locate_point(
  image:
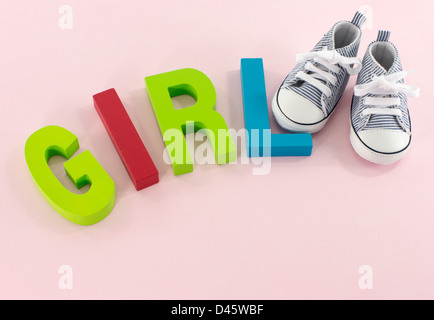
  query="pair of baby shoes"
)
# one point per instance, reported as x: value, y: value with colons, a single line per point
x: 380, y: 129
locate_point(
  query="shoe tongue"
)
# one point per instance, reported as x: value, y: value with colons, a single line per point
x: 383, y: 56
x: 351, y: 49
x: 348, y: 51
x: 310, y: 92
x: 328, y: 41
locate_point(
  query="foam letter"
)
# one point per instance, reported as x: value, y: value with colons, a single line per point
x: 83, y: 209
x: 256, y: 117
x: 126, y: 140
x: 162, y: 87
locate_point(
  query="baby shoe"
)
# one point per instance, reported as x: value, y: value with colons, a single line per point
x: 380, y: 121
x: 310, y: 92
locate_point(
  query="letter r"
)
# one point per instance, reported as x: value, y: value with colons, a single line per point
x: 162, y: 87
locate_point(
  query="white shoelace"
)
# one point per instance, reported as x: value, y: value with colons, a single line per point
x: 325, y: 70
x: 382, y: 87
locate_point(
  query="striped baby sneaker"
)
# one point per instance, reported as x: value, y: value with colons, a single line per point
x: 310, y: 92
x: 380, y: 128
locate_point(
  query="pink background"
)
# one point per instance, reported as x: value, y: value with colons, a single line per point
x: 302, y: 231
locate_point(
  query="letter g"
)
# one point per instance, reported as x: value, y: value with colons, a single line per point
x: 84, y: 209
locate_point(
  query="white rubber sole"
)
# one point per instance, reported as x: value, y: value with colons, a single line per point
x: 371, y: 155
x: 289, y: 125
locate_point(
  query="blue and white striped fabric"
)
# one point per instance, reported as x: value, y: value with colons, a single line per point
x: 312, y: 93
x: 379, y: 121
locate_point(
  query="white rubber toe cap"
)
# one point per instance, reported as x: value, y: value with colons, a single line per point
x: 297, y: 108
x: 385, y: 141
